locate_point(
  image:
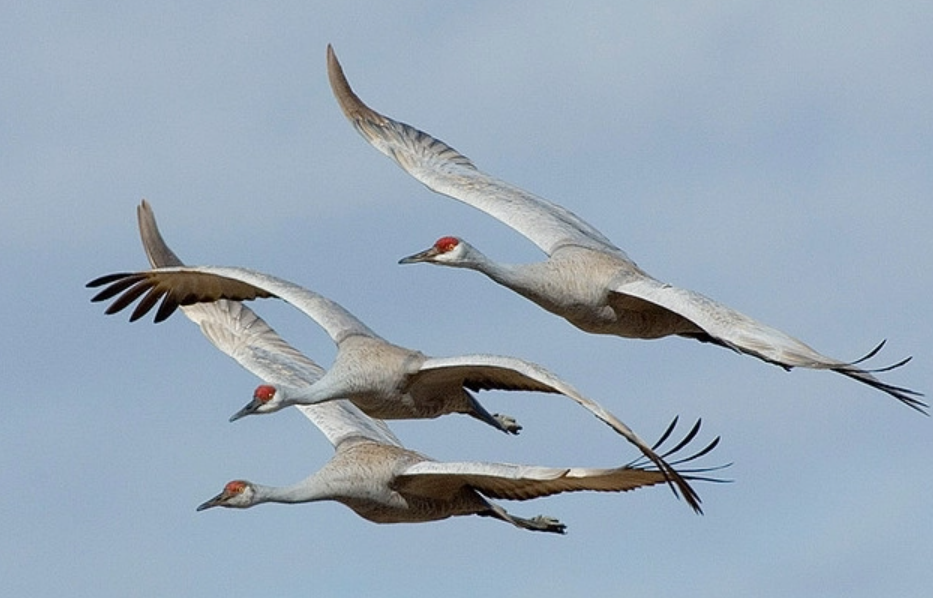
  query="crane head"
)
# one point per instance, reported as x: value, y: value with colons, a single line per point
x: 238, y: 494
x: 266, y: 399
x: 448, y: 250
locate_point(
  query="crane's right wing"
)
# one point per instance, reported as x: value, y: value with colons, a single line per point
x: 444, y: 170
x: 240, y: 333
x: 519, y: 482
x: 733, y: 329
x: 524, y: 482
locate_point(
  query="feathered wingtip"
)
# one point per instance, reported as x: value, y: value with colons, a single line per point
x: 134, y: 285
x: 174, y: 287
x: 352, y: 106
x: 403, y: 143
x: 679, y: 486
x: 866, y: 376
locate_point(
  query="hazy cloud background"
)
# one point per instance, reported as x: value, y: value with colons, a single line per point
x: 776, y: 157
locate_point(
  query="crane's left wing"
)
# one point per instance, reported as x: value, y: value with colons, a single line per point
x: 444, y: 170
x: 179, y: 286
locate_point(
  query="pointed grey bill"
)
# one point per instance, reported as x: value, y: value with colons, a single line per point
x: 421, y: 256
x: 249, y: 409
x: 214, y: 502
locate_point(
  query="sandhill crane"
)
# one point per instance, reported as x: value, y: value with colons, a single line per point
x: 384, y: 380
x: 385, y: 483
x: 586, y: 279
x: 371, y: 472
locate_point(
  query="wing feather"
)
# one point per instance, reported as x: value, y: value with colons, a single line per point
x: 479, y: 372
x: 180, y: 286
x: 445, y: 170
x: 520, y: 482
x: 744, y: 334
x: 241, y: 334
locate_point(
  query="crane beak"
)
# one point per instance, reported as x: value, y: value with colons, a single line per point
x: 250, y: 408
x: 214, y: 502
x: 427, y: 255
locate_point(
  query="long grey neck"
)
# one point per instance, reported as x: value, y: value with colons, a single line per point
x: 532, y: 281
x: 308, y: 490
x: 521, y: 278
x: 505, y: 274
x: 326, y: 388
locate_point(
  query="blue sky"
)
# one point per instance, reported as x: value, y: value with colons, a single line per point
x: 776, y: 158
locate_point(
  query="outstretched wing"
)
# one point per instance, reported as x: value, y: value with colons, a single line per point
x: 444, y: 170
x: 524, y: 482
x: 519, y: 482
x: 231, y: 326
x: 733, y: 329
x: 237, y: 331
x: 180, y: 286
x: 485, y: 372
x: 498, y: 480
